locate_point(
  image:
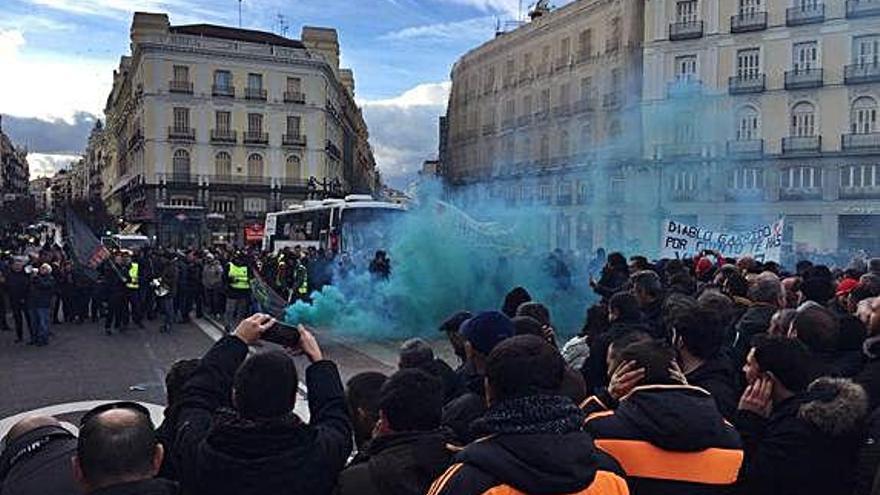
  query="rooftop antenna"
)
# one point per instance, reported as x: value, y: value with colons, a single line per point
x: 282, y: 25
x: 239, y: 14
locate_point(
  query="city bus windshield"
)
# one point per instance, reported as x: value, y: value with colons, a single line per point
x: 368, y: 228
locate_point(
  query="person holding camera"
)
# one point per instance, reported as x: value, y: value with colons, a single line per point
x: 236, y: 430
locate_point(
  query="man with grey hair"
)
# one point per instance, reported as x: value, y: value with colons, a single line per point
x: 648, y: 291
x: 767, y: 296
x: 414, y: 353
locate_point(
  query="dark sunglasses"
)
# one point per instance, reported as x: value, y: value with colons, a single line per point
x: 110, y: 406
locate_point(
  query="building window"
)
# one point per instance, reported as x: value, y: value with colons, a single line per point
x: 490, y: 80
x: 255, y: 81
x: 747, y: 178
x: 222, y: 79
x: 181, y: 74
x: 803, y: 120
x: 510, y: 110
x: 585, y: 44
x: 686, y: 68
x: 805, y: 56
x: 586, y: 136
x: 685, y: 132
x: 254, y: 205
x: 684, y: 181
x: 866, y: 50
x: 180, y: 163
x: 181, y: 119
x: 686, y: 12
x: 586, y: 88
x: 860, y: 176
x: 863, y: 117
x: 509, y: 150
x: 294, y: 85
x: 526, y: 150
x: 545, y: 100
x: 748, y: 63
x: 544, y: 151
x: 223, y: 121
x: 801, y: 178
x: 223, y: 205
x: 545, y: 192
x: 293, y: 169
x: 564, y: 51
x: 223, y: 164
x: 748, y: 124
x: 614, y: 128
x: 527, y: 105
x: 612, y: 44
x: 255, y: 123
x: 294, y: 123
x: 564, y: 91
x: 750, y: 7
x: 564, y: 144
x: 181, y: 201
x: 255, y: 165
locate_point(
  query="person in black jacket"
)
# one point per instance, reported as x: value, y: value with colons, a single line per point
x: 175, y: 379
x: 767, y: 296
x: 697, y: 336
x: 18, y: 284
x: 869, y: 377
x: 625, y: 317
x: 259, y: 446
x: 42, y: 290
x: 819, y: 330
x: 800, y: 436
x: 36, y: 459
x: 648, y: 290
x: 362, y: 398
x: 532, y: 441
x: 408, y: 451
x: 615, y: 275
x: 663, y: 429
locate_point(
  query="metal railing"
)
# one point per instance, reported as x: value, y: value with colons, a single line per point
x: 804, y: 78
x: 805, y: 14
x: 862, y: 73
x: 747, y: 83
x: 746, y: 22
x: 256, y: 137
x: 612, y: 100
x: 745, y: 147
x: 685, y: 30
x: 224, y: 136
x: 801, y: 144
x: 224, y: 91
x: 862, y: 8
x: 180, y: 86
x: 585, y: 105
x: 869, y: 141
x: 524, y: 120
x: 294, y: 97
x: 182, y: 133
x: 296, y: 139
x: 255, y: 94
x: 562, y: 110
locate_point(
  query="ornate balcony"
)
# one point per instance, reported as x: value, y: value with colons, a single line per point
x: 296, y: 140
x: 489, y: 129
x: 181, y: 133
x: 563, y: 110
x: 611, y: 100
x: 744, y: 23
x: 861, y: 73
x: 256, y: 137
x: 862, y: 8
x: 224, y: 136
x: 745, y: 84
x: 798, y: 16
x: 740, y: 147
x: 297, y: 97
x: 801, y: 144
x: 223, y: 91
x: 861, y: 142
x: 255, y: 94
x: 685, y: 30
x: 683, y: 87
x: 804, y: 78
x: 679, y: 150
x: 524, y: 120
x: 180, y: 86
x: 585, y: 105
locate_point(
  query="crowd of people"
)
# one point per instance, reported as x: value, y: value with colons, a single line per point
x: 708, y: 375
x: 43, y: 286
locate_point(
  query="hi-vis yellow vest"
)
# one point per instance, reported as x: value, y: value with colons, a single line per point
x: 238, y: 277
x: 133, y: 276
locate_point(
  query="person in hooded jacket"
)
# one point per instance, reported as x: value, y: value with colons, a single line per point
x: 260, y: 446
x: 532, y: 441
x: 409, y: 450
x: 669, y: 437
x: 767, y: 297
x: 800, y: 436
x: 615, y: 275
x: 625, y: 317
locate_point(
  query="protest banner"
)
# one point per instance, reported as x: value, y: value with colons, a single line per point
x: 681, y: 240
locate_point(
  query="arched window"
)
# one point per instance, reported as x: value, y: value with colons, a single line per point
x: 255, y: 165
x: 748, y: 124
x: 564, y: 144
x: 180, y: 163
x: 294, y: 167
x: 863, y: 117
x: 223, y: 164
x: 803, y: 120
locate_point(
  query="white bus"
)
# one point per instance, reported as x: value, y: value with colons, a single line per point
x: 355, y: 223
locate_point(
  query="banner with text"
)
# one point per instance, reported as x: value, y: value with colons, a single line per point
x: 681, y: 240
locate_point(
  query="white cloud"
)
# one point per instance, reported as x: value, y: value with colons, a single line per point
x: 509, y: 7
x: 107, y: 7
x: 50, y: 86
x: 45, y: 165
x: 480, y: 28
x: 423, y: 95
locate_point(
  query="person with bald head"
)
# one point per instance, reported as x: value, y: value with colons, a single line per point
x: 118, y: 453
x: 35, y: 459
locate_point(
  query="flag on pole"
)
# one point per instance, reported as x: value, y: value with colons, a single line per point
x: 270, y: 302
x: 87, y: 250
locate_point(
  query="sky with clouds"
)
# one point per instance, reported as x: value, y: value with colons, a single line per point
x: 62, y: 54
